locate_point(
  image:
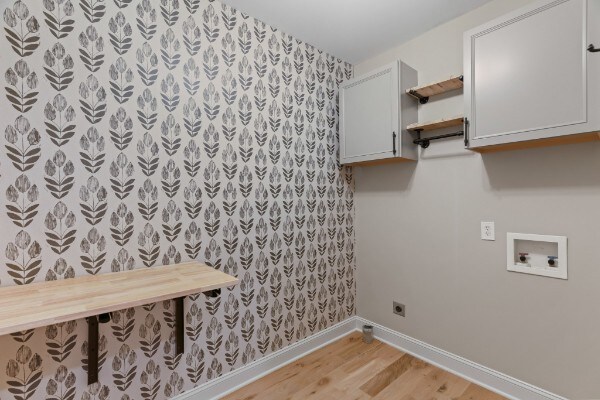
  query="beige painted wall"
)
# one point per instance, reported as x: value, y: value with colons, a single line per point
x: 418, y: 240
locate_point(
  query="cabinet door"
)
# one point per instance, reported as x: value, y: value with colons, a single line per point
x: 369, y: 116
x: 526, y: 74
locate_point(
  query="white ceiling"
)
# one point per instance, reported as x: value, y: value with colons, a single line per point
x: 355, y: 30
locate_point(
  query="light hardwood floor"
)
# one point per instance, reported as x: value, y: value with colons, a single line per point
x: 350, y: 369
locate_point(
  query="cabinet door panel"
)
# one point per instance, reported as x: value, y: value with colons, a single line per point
x: 528, y: 73
x: 370, y: 114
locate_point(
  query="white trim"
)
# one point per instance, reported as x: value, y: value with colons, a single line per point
x: 493, y: 380
x: 232, y: 381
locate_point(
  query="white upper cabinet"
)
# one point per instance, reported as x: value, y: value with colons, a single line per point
x: 529, y: 75
x: 374, y: 111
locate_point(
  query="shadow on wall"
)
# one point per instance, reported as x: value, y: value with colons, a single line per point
x: 575, y: 165
x: 390, y: 177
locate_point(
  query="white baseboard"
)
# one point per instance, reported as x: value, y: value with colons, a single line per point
x: 493, y: 380
x: 232, y: 381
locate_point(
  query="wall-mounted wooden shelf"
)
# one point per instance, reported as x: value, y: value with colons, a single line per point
x: 424, y: 92
x: 438, y: 124
x: 46, y: 303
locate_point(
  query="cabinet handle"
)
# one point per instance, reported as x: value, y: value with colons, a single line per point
x: 592, y: 49
x: 394, y: 142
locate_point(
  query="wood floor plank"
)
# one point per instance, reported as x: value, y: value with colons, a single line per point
x: 349, y: 369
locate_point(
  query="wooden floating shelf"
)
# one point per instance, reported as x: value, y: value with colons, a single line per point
x: 94, y: 297
x: 423, y: 93
x: 438, y: 124
x: 40, y: 304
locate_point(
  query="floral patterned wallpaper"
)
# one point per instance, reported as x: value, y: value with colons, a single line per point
x: 139, y: 133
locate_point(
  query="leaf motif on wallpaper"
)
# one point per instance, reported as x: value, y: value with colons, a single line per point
x: 171, y: 256
x: 23, y: 196
x: 60, y: 270
x: 191, y: 36
x: 22, y: 83
x: 123, y: 323
x: 90, y: 50
x: 230, y: 166
x: 170, y: 93
x: 274, y: 49
x: 93, y: 99
x: 170, y: 131
x: 147, y: 64
x: 57, y: 14
x: 261, y: 234
x: 212, y: 219
x: 147, y: 105
x: 122, y: 3
x: 232, y: 349
x: 229, y: 88
x: 247, y: 289
x: 62, y: 385
x: 148, y: 200
x: 262, y: 338
x: 92, y: 154
x: 171, y: 178
x: 246, y: 221
x: 121, y: 77
x: 24, y: 39
x: 147, y: 154
x: 122, y: 262
x: 260, y: 61
x: 320, y: 103
x: 150, y: 380
x: 121, y: 172
x: 149, y: 245
x: 289, y: 327
x: 245, y: 73
x: 59, y: 117
x: 275, y: 249
x: 245, y: 110
x: 93, y: 9
x: 150, y: 336
x: 120, y: 32
x: 195, y: 363
x: 170, y: 47
x: 275, y: 217
x: 59, y: 175
x: 214, y: 337
x: 192, y: 117
x: 299, y: 89
x: 229, y: 16
x: 58, y: 67
x: 93, y: 201
x: 229, y: 125
x: 244, y: 38
x: 192, y: 155
x: 93, y: 248
x: 210, y: 23
x: 249, y: 354
x: 286, y: 71
x: 146, y: 20
x: 260, y: 165
x: 260, y: 30
x: 245, y: 145
x: 23, y: 144
x: 193, y: 320
x: 171, y: 218
x: 121, y: 129
x: 193, y: 242
x: 193, y: 199
x: 191, y: 78
x: 24, y: 373
x: 174, y: 385
x: 61, y: 340
x: 212, y: 182
x: 245, y: 181
x: 210, y: 63
x: 228, y: 50
x: 124, y: 367
x: 230, y: 236
x: 212, y: 257
x: 23, y: 254
x: 169, y: 9
x: 262, y: 300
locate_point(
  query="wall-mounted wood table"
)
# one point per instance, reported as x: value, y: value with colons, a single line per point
x: 94, y: 297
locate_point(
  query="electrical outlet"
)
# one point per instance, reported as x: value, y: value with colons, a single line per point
x: 488, y: 231
x: 399, y: 309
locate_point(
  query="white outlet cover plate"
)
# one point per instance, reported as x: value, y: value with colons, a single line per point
x: 488, y: 231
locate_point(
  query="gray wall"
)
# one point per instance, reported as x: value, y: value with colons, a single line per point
x: 418, y: 240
